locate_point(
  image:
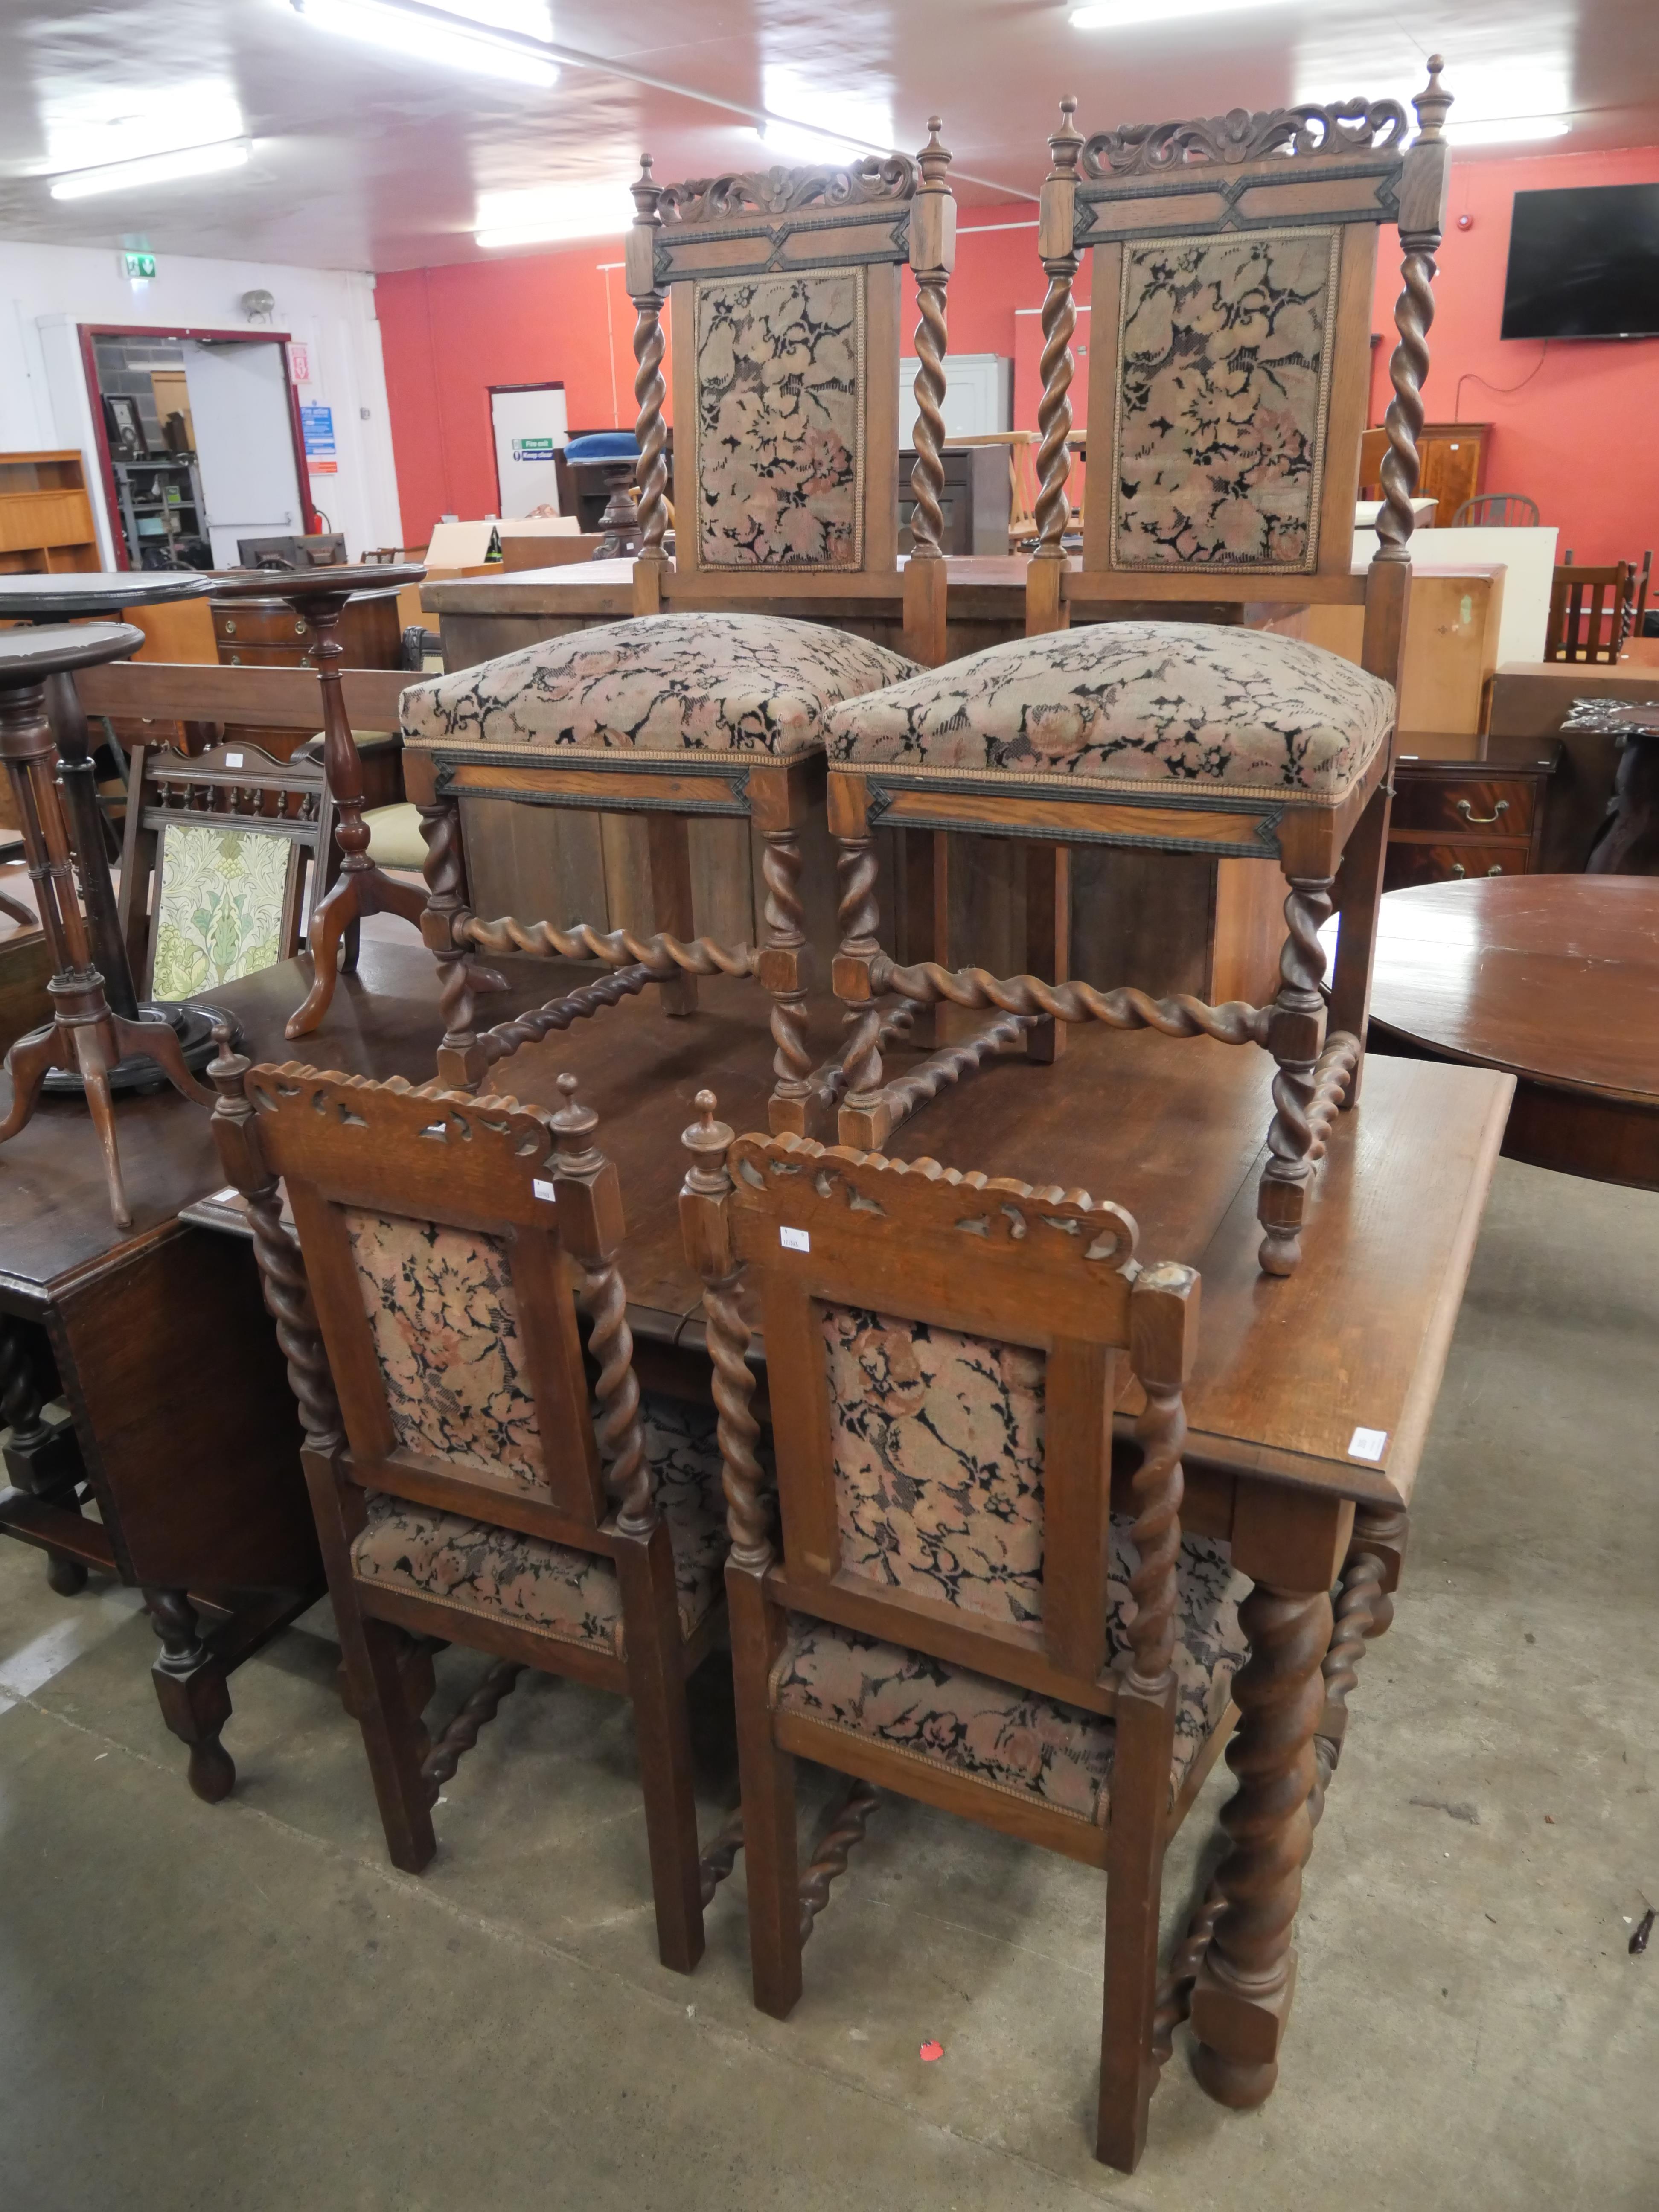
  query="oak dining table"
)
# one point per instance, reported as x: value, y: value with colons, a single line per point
x: 1308, y: 1409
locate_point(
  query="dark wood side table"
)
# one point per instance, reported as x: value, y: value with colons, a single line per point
x: 1554, y: 978
x: 1453, y: 817
x: 183, y: 1427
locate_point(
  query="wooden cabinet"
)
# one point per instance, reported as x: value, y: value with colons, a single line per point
x: 974, y: 503
x: 1457, y: 818
x: 45, y: 516
x: 1454, y: 465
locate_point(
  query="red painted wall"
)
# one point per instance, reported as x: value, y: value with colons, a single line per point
x: 1572, y: 420
x: 1577, y: 435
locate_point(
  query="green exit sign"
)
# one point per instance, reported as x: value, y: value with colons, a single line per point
x: 138, y: 266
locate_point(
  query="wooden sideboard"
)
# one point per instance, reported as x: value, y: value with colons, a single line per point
x: 1454, y: 464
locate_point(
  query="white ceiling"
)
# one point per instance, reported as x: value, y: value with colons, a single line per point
x: 369, y: 159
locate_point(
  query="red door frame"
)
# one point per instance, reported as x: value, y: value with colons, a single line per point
x: 545, y: 384
x: 89, y: 361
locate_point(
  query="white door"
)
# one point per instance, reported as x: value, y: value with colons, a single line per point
x: 239, y: 403
x: 529, y: 426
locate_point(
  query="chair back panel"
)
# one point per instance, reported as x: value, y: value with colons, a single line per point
x: 784, y: 289
x: 941, y: 1351
x: 223, y: 898
x: 443, y: 1320
x: 936, y: 1444
x: 429, y: 1223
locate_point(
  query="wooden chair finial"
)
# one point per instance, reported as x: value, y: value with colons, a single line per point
x: 227, y: 1070
x: 572, y: 1124
x: 647, y: 194
x: 935, y: 157
x: 1066, y: 144
x: 1432, y: 103
x: 709, y: 1142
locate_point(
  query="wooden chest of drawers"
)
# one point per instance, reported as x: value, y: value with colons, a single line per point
x: 1468, y: 817
x: 265, y: 633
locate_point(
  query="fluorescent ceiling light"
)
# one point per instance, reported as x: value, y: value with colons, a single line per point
x: 1135, y: 15
x: 91, y: 125
x: 807, y: 124
x: 152, y: 169
x: 466, y: 40
x: 1495, y: 101
x: 547, y: 213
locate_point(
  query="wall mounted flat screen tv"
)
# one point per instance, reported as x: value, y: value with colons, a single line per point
x: 1584, y: 264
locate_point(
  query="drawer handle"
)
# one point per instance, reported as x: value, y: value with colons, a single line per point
x: 1482, y: 821
x: 300, y: 631
x: 230, y: 629
x: 1458, y: 869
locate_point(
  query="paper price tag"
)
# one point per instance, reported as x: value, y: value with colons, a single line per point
x: 1368, y: 1443
x: 543, y: 1188
x: 233, y: 760
x: 794, y: 1240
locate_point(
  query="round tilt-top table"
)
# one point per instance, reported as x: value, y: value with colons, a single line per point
x: 86, y: 1035
x: 91, y: 595
x: 1555, y: 978
x: 320, y: 595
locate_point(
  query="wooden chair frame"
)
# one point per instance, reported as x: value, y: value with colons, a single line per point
x: 871, y: 217
x: 538, y: 1182
x: 1045, y: 1268
x: 1340, y: 169
x: 1589, y: 611
x: 236, y: 786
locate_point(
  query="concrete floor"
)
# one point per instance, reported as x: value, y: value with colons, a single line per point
x: 245, y: 2007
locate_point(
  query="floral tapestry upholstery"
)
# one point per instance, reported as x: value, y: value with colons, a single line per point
x: 1125, y: 705
x: 1223, y: 373
x: 938, y: 1445
x: 1011, y: 1738
x: 445, y: 1322
x: 781, y: 421
x: 219, y: 909
x: 662, y: 683
x: 478, y: 1568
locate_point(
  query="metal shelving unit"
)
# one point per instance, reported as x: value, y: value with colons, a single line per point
x: 162, y: 514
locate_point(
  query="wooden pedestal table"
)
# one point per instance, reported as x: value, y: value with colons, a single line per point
x: 83, y: 597
x: 1554, y: 978
x: 319, y: 597
x: 87, y: 1037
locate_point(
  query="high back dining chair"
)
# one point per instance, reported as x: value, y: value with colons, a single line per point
x: 466, y: 1486
x: 785, y: 292
x: 1589, y: 610
x: 950, y: 1606
x: 219, y: 870
x: 1234, y: 265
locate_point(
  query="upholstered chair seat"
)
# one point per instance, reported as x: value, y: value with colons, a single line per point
x: 662, y: 683
x: 1126, y: 705
x: 479, y: 1567
x: 994, y: 1732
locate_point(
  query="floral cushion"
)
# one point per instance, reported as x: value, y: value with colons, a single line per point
x: 1125, y: 705
x: 1011, y: 1738
x: 477, y: 1567
x: 663, y: 684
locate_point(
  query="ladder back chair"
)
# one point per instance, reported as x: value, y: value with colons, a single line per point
x: 711, y: 702
x: 466, y: 1484
x: 1589, y: 611
x: 219, y: 867
x: 1234, y: 266
x: 950, y: 1606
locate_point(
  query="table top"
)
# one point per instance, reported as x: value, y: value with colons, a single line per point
x: 27, y: 655
x: 1173, y: 1130
x: 312, y: 583
x: 1552, y: 977
x: 95, y: 592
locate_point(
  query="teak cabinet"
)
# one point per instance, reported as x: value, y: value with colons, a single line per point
x: 1454, y: 458
x: 45, y: 516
